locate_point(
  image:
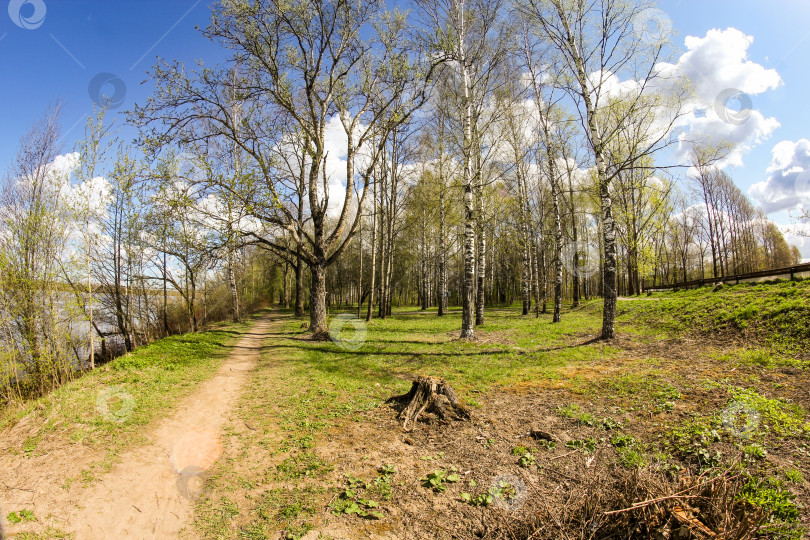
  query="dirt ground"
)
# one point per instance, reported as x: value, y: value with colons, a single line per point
x: 563, y: 491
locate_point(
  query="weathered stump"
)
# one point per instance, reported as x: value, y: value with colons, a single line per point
x: 433, y: 395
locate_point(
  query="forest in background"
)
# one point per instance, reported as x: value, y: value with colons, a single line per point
x: 464, y: 154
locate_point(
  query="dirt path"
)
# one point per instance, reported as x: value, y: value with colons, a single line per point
x: 150, y: 493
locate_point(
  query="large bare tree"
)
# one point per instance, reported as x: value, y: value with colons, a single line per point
x: 302, y: 66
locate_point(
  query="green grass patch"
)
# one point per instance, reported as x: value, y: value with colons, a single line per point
x: 108, y: 407
x: 774, y: 415
x: 303, y: 390
x: 774, y: 313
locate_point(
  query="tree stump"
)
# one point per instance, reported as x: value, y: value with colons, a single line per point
x: 433, y: 395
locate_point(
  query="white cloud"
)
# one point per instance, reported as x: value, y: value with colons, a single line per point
x: 336, y: 149
x: 787, y: 186
x: 606, y: 85
x: 64, y: 164
x: 336, y: 144
x: 92, y: 196
x: 725, y: 82
x: 720, y: 60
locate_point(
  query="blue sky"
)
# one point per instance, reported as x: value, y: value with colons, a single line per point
x: 781, y: 41
x: 81, y: 39
x: 73, y: 41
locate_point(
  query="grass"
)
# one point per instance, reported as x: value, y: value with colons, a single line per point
x: 325, y: 384
x: 662, y: 403
x: 773, y: 314
x: 667, y: 397
x: 107, y: 409
x: 669, y: 412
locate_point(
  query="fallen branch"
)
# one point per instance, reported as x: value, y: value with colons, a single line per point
x: 678, y: 495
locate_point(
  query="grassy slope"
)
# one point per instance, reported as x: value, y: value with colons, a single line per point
x: 776, y: 314
x: 669, y: 389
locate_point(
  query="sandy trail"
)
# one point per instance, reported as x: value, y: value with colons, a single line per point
x: 144, y: 496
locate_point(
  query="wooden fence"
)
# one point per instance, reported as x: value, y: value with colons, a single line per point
x: 791, y: 272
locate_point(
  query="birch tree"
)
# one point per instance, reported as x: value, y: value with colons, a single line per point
x: 598, y: 43
x: 33, y: 235
x: 469, y: 39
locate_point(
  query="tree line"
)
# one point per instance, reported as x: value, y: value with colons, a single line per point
x: 101, y: 252
x: 464, y: 153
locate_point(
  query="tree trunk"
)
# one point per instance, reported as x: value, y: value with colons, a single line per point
x: 392, y: 214
x: 575, y: 243
x: 468, y: 301
x: 232, y: 286
x: 360, y: 277
x: 535, y: 272
x: 555, y: 205
x: 286, y: 292
x: 425, y: 294
x: 165, y: 298
x: 120, y: 315
x: 299, y: 285
x: 609, y: 275
x: 442, y: 289
x: 317, y: 302
x: 525, y: 255
x: 480, y: 285
x: 482, y: 244
x: 373, y: 255
x: 544, y: 278
x: 558, y: 267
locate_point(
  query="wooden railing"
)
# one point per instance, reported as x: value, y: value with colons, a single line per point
x: 790, y: 272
